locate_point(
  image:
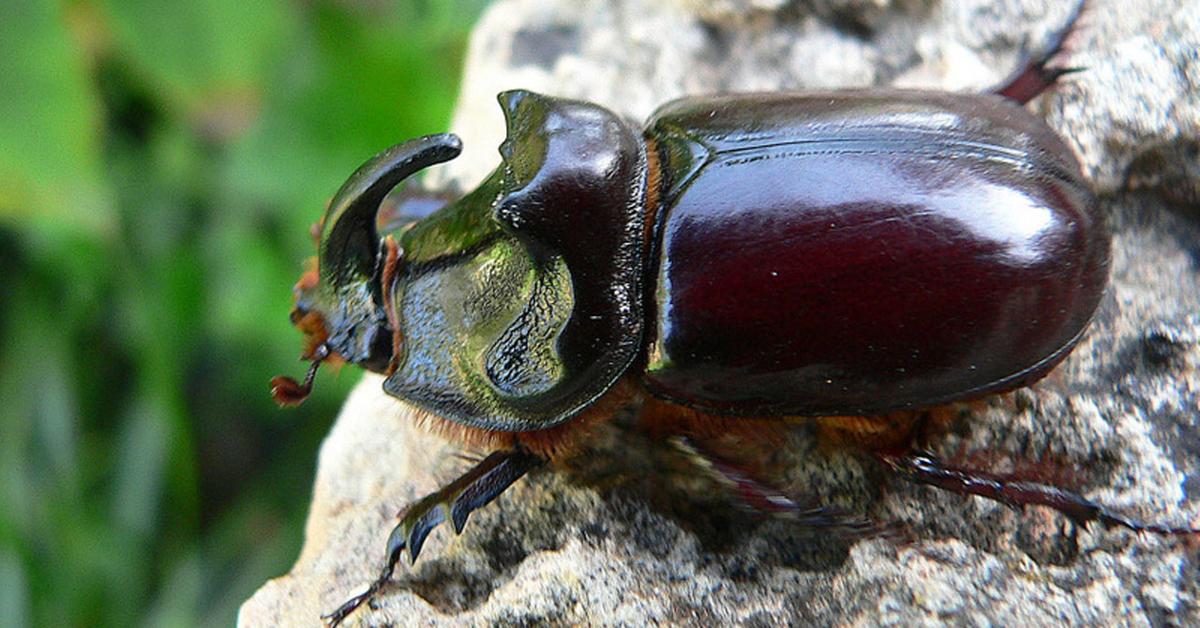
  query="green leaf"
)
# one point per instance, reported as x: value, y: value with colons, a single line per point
x: 50, y: 134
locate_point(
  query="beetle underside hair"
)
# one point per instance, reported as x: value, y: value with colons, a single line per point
x: 554, y: 443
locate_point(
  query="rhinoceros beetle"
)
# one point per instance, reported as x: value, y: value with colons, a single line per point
x: 864, y: 253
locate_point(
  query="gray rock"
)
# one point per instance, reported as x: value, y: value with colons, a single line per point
x: 637, y: 537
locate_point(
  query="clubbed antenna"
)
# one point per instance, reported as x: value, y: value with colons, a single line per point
x: 287, y: 392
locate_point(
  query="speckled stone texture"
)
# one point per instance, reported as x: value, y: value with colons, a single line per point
x: 636, y: 537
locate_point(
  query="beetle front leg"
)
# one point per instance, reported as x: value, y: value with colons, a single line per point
x: 924, y: 468
x: 455, y: 501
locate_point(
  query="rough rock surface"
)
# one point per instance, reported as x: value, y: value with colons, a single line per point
x: 637, y: 538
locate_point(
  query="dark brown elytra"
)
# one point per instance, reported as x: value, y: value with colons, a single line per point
x: 864, y: 254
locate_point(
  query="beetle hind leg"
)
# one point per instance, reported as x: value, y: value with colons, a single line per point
x: 924, y: 468
x: 768, y: 500
x: 454, y: 502
x: 1035, y: 75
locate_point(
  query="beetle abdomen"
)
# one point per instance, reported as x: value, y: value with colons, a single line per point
x: 862, y: 252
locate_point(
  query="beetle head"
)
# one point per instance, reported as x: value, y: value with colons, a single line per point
x: 519, y: 304
x: 340, y: 307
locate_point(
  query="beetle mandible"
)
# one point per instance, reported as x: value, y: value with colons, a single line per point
x: 856, y: 252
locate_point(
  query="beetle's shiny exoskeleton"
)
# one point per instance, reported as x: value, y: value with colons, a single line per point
x: 766, y: 255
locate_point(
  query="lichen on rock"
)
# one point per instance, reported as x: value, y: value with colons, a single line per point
x: 633, y: 538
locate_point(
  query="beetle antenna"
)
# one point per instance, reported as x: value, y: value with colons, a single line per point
x: 287, y: 392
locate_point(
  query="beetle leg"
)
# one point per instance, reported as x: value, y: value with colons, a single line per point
x: 456, y: 501
x: 1035, y: 75
x: 768, y: 500
x: 924, y: 468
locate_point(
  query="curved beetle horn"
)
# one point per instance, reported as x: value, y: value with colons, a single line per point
x: 349, y: 240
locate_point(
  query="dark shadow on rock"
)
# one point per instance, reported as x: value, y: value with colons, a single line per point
x: 654, y: 499
x: 1173, y: 170
x: 450, y: 585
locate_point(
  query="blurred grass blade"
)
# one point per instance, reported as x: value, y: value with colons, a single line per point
x: 56, y: 420
x: 14, y: 590
x: 141, y: 459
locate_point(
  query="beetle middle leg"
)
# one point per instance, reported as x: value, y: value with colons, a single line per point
x: 699, y: 436
x: 454, y: 502
x: 768, y: 500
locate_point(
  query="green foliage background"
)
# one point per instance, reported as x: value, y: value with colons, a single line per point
x: 160, y: 164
